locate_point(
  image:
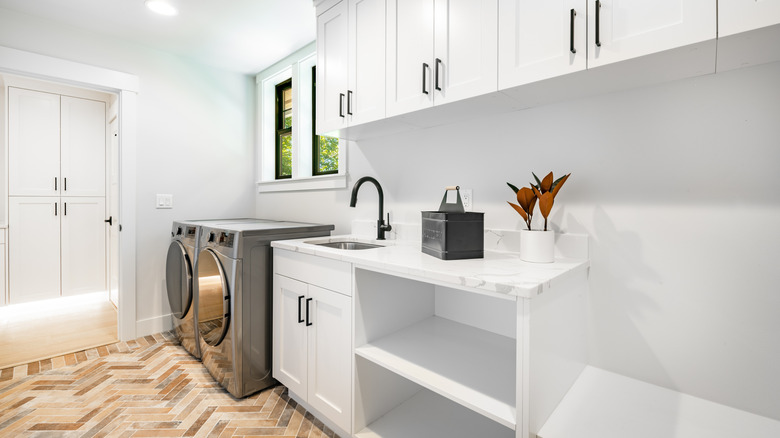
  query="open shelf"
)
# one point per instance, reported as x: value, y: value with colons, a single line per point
x: 428, y: 415
x: 472, y: 367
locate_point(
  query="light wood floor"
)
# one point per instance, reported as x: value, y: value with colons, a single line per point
x: 33, y: 331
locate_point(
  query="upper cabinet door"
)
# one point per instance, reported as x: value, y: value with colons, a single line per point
x: 366, y: 93
x: 83, y: 168
x: 735, y: 16
x: 466, y: 52
x: 34, y: 143
x: 332, y: 64
x: 625, y: 29
x: 540, y: 40
x: 409, y: 55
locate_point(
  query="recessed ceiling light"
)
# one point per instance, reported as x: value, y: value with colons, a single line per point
x: 161, y: 7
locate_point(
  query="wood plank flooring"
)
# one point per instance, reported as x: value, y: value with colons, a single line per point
x: 35, y: 331
x: 147, y: 387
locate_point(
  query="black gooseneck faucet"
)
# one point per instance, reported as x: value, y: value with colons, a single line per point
x: 381, y: 226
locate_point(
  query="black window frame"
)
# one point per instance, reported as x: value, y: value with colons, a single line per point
x: 315, y: 139
x: 280, y: 129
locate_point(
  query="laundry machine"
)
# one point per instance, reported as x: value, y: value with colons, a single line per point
x: 234, y: 300
x: 181, y: 283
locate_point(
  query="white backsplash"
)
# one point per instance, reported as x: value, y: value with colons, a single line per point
x: 567, y: 245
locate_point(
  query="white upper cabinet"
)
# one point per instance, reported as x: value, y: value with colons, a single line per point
x: 735, y: 16
x: 439, y: 51
x: 625, y: 29
x: 332, y: 80
x: 34, y: 143
x: 83, y: 147
x: 366, y: 93
x: 539, y: 40
x: 466, y: 49
x: 350, y: 64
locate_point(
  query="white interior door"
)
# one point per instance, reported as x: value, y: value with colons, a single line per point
x: 34, y: 143
x: 33, y: 248
x: 113, y: 214
x: 409, y: 56
x: 83, y: 147
x: 83, y: 245
x: 330, y: 354
x: 289, y: 344
x: 466, y: 49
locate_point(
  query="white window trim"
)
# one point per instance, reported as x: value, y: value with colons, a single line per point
x: 298, y: 67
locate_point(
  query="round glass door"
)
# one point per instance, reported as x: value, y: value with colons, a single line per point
x: 213, y: 298
x: 178, y: 279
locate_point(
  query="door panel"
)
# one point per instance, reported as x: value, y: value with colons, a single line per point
x: 34, y: 143
x: 83, y: 167
x: 83, y: 245
x: 213, y: 298
x: 735, y: 16
x: 289, y: 344
x: 33, y: 248
x: 332, y: 64
x: 409, y: 45
x: 330, y: 355
x: 467, y: 45
x: 367, y: 60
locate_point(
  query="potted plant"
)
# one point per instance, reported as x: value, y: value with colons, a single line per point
x: 537, y: 245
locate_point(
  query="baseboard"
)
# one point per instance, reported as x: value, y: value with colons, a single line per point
x: 158, y: 324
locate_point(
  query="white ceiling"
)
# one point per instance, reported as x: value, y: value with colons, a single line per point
x: 238, y: 35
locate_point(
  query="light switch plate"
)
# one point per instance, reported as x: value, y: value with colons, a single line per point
x: 164, y: 201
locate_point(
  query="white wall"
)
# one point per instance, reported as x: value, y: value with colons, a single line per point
x: 679, y: 188
x: 195, y: 139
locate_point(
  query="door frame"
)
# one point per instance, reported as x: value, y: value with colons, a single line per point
x: 126, y: 87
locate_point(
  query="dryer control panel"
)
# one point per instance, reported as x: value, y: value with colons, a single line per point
x: 226, y: 239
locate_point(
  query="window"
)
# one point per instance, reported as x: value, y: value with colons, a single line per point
x: 325, y: 152
x: 283, y: 156
x: 289, y: 154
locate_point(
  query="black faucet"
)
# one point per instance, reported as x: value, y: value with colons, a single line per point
x: 381, y: 226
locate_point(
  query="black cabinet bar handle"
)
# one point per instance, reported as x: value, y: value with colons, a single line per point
x: 349, y: 102
x: 300, y: 320
x: 425, y: 67
x: 598, y: 23
x: 65, y: 184
x: 341, y: 104
x: 55, y: 183
x: 571, y: 31
x: 55, y: 209
x: 64, y: 208
x: 308, y: 323
x: 436, y: 77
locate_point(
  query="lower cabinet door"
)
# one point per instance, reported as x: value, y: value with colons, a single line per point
x: 33, y: 248
x: 289, y: 343
x: 83, y: 245
x: 330, y: 355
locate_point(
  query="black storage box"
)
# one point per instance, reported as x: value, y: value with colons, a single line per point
x: 453, y: 236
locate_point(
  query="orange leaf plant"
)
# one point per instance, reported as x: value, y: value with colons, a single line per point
x: 543, y: 191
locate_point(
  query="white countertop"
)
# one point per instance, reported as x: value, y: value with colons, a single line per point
x: 497, y: 273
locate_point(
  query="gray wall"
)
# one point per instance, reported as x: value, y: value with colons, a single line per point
x: 195, y: 139
x: 678, y: 187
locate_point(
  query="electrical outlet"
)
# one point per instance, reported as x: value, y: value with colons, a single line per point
x: 466, y: 197
x: 164, y: 201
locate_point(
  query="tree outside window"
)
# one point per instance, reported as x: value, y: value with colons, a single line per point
x: 325, y: 152
x: 284, y: 126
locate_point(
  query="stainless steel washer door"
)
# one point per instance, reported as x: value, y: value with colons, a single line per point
x: 178, y: 279
x: 213, y: 298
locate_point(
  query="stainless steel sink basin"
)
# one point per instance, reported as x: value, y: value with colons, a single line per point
x: 348, y: 245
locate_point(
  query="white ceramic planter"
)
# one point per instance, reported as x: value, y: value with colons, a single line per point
x: 537, y: 246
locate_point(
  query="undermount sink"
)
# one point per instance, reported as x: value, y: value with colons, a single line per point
x: 349, y: 245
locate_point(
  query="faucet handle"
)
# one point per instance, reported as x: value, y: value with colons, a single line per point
x: 386, y: 226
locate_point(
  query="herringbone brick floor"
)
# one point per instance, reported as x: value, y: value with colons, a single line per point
x: 142, y: 388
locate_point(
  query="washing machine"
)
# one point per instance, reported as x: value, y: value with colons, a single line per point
x: 234, y: 300
x: 181, y: 283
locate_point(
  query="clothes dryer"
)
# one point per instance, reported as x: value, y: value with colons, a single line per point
x: 234, y: 300
x: 181, y: 283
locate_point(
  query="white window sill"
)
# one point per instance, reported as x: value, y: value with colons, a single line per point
x: 322, y: 182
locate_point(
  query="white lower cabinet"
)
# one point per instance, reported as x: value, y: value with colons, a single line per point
x: 312, y: 348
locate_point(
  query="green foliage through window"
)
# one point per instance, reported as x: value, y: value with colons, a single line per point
x: 325, y: 153
x: 284, y: 130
